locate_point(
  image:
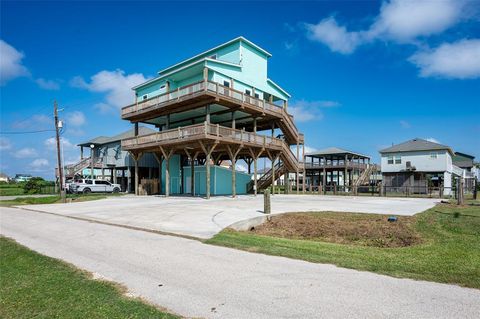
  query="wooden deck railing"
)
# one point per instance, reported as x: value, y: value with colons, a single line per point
x: 202, y: 131
x: 338, y: 166
x: 218, y: 89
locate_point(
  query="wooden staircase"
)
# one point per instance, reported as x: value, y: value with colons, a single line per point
x: 364, y: 178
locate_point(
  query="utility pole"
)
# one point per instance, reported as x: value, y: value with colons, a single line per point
x: 59, y: 158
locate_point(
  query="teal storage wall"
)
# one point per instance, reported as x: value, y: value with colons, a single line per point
x: 175, y: 174
x: 220, y: 180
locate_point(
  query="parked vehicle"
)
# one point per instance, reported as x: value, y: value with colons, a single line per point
x: 94, y: 186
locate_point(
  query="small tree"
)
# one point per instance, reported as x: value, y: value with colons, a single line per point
x: 34, y: 185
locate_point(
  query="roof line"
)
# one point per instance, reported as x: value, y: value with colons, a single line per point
x: 240, y: 38
x: 278, y: 87
x: 183, y: 68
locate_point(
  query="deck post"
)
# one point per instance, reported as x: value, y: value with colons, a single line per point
x: 255, y: 157
x: 136, y: 158
x: 166, y: 155
x: 324, y: 176
x: 192, y: 170
x: 232, y: 153
x: 159, y: 159
x: 208, y: 154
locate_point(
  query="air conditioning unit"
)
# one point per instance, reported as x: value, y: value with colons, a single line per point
x: 409, y: 166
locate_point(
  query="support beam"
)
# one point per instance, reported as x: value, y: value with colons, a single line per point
x: 167, y: 153
x: 255, y: 156
x: 192, y: 158
x: 136, y: 157
x: 159, y: 159
x: 207, y: 149
x: 232, y: 153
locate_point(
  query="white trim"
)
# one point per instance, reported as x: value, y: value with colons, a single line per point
x: 183, y: 68
x: 278, y: 87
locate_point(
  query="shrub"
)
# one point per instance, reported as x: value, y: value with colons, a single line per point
x: 34, y: 185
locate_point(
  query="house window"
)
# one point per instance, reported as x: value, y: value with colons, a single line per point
x: 390, y: 160
x: 145, y: 97
x: 398, y: 159
x: 257, y: 95
x: 162, y: 87
x: 214, y: 57
x: 226, y: 83
x: 433, y: 155
x: 248, y: 92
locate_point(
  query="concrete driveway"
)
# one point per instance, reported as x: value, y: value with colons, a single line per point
x: 204, y: 281
x: 197, y: 217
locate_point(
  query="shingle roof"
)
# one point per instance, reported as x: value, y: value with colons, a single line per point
x: 142, y: 130
x: 417, y: 144
x: 334, y: 151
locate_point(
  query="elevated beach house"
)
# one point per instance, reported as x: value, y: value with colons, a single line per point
x: 417, y: 165
x: 218, y: 105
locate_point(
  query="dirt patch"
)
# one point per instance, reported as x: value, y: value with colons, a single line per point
x: 343, y: 228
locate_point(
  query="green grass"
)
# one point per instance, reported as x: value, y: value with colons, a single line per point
x: 54, y: 199
x: 11, y: 190
x: 450, y: 252
x: 36, y: 286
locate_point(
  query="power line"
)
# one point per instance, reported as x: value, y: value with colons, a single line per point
x: 28, y: 132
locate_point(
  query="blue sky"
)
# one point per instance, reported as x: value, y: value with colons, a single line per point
x: 362, y: 74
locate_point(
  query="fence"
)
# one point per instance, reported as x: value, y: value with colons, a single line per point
x: 390, y: 191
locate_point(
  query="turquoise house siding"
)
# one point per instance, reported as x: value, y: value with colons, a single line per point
x: 237, y: 59
x: 220, y: 180
x: 175, y: 174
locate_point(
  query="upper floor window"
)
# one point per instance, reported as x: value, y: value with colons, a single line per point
x: 145, y: 97
x: 226, y: 83
x: 433, y: 155
x: 390, y: 160
x: 248, y: 92
x: 162, y: 87
x: 257, y: 95
x: 213, y: 56
x: 398, y: 159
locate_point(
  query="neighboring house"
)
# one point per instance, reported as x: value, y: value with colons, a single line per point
x: 337, y: 166
x: 211, y: 108
x: 466, y: 162
x: 111, y: 162
x: 3, y: 177
x: 417, y: 165
x: 22, y: 178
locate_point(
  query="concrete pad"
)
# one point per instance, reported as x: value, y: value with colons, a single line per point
x: 198, y: 217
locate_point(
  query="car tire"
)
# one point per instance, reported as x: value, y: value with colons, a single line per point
x: 116, y: 190
x: 87, y: 190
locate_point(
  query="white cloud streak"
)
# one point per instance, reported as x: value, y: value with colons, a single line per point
x: 11, y: 65
x: 115, y: 84
x: 26, y: 152
x: 459, y: 60
x: 75, y: 118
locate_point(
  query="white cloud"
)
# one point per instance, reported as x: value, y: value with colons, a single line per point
x: 433, y: 140
x: 304, y: 111
x: 459, y: 60
x: 25, y: 153
x: 11, y: 66
x: 5, y: 144
x: 336, y: 37
x: 47, y: 84
x: 39, y: 164
x: 51, y: 143
x: 405, y: 124
x: 75, y: 118
x: 116, y: 84
x: 399, y: 20
x: 405, y: 20
x: 105, y: 108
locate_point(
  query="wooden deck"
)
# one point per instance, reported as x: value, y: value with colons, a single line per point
x: 207, y: 92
